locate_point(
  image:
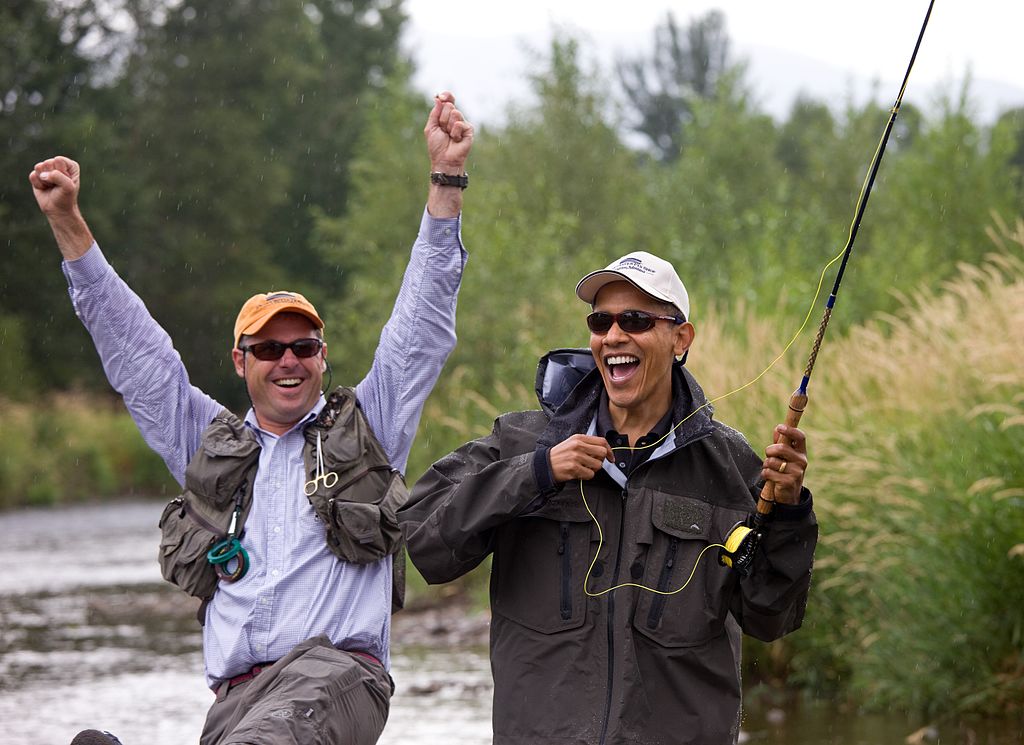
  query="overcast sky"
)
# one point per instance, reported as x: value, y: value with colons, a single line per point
x: 827, y: 48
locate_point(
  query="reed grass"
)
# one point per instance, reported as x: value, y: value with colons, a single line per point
x: 916, y: 430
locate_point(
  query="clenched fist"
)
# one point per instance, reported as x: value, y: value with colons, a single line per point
x: 579, y: 457
x: 55, y: 184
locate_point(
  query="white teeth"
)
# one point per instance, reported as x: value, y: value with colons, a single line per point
x: 288, y: 382
x: 621, y: 359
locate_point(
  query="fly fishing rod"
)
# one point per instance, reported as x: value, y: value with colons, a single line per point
x: 742, y: 542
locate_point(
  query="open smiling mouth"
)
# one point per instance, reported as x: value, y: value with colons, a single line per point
x: 288, y: 382
x: 621, y: 366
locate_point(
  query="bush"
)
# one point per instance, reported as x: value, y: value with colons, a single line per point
x: 71, y: 448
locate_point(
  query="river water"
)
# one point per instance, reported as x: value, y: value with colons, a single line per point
x: 91, y: 637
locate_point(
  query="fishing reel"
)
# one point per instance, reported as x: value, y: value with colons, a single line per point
x: 740, y: 545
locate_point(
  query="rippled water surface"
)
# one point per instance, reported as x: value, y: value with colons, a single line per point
x: 91, y: 637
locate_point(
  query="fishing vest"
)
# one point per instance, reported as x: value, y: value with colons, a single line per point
x: 357, y: 511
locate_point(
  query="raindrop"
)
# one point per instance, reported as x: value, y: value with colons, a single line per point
x: 313, y: 13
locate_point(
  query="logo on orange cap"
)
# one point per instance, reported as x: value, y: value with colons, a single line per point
x: 260, y: 308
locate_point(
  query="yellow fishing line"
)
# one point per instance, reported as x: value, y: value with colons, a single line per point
x: 600, y: 536
x: 807, y: 317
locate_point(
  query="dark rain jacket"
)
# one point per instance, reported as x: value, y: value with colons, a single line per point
x: 572, y: 666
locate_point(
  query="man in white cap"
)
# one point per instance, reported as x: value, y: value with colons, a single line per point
x: 286, y: 528
x: 613, y: 621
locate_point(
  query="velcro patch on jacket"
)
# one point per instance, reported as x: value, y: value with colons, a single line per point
x: 685, y: 515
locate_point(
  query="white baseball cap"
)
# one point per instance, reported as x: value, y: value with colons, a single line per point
x: 649, y: 274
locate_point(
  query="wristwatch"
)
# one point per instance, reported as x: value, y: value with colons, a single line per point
x: 446, y: 179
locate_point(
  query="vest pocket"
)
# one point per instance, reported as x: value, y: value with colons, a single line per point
x: 219, y: 467
x: 185, y: 537
x: 365, y: 532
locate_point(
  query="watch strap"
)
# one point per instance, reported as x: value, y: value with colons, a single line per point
x: 446, y: 179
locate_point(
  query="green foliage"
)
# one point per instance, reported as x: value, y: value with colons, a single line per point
x: 71, y: 448
x: 685, y: 67
x: 15, y: 383
x: 920, y: 497
x: 209, y: 134
x: 44, y: 107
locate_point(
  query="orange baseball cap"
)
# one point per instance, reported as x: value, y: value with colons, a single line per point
x: 260, y: 308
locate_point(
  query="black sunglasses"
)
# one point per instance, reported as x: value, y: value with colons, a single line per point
x: 630, y: 321
x: 274, y: 350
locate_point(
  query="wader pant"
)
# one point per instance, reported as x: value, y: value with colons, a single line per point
x: 314, y: 695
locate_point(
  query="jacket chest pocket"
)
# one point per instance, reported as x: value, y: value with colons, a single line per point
x: 540, y: 563
x: 691, y: 601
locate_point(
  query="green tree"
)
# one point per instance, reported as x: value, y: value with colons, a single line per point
x: 210, y: 135
x: 1008, y: 137
x: 722, y: 203
x: 238, y: 120
x: 365, y: 250
x: 686, y: 65
x: 934, y: 205
x: 563, y: 161
x: 45, y: 86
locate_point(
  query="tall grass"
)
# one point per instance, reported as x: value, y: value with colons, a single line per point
x: 916, y: 433
x: 919, y: 600
x: 73, y: 447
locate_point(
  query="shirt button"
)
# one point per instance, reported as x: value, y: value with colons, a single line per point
x: 274, y: 573
x: 622, y: 464
x: 277, y: 528
x: 447, y: 231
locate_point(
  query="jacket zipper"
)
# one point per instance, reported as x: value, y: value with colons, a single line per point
x: 611, y: 622
x: 615, y: 580
x: 566, y: 554
x: 658, y: 604
x: 186, y: 506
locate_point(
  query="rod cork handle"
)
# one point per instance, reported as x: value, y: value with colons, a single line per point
x: 797, y: 404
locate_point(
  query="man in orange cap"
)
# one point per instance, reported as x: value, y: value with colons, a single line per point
x: 296, y: 607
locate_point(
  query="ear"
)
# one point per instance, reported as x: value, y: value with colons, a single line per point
x: 685, y: 334
x: 323, y: 358
x: 238, y: 358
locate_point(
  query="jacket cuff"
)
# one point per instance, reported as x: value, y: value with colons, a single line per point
x: 797, y: 511
x: 546, y: 485
x: 542, y: 470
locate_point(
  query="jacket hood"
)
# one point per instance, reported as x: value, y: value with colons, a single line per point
x: 558, y: 372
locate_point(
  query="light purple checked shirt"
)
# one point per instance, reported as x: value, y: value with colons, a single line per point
x: 296, y: 588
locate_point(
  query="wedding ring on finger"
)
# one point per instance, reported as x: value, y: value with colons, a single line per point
x: 782, y: 468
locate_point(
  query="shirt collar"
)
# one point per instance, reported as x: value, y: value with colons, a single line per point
x: 605, y: 426
x: 250, y: 419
